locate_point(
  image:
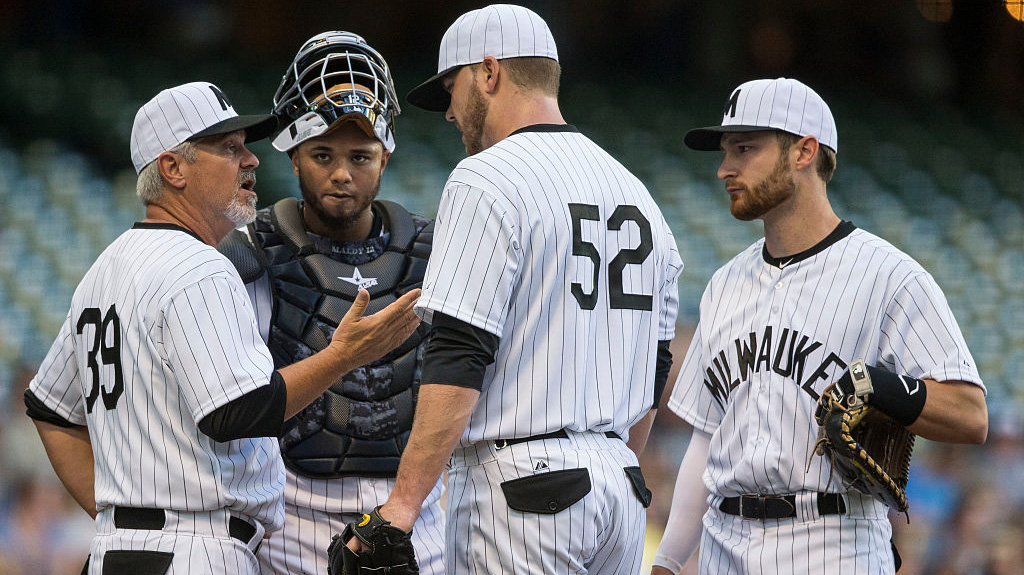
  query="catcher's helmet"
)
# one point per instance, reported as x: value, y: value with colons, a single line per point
x: 335, y: 75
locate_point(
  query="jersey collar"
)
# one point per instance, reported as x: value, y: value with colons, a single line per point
x: 842, y: 230
x: 164, y: 226
x: 546, y: 128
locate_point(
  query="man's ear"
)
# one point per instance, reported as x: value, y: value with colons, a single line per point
x: 807, y: 151
x: 490, y: 71
x: 170, y: 166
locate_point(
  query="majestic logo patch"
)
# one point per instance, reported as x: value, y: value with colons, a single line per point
x: 358, y: 280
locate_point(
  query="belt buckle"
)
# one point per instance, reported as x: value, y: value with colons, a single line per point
x: 758, y: 505
x: 500, y: 444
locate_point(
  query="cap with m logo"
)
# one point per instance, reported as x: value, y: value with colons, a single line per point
x: 781, y: 104
x: 189, y: 112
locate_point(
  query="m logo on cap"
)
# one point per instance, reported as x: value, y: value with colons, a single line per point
x: 730, y: 106
x: 224, y: 103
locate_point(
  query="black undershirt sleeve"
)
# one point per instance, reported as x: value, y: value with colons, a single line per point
x: 258, y: 413
x: 38, y: 411
x: 458, y: 353
x: 662, y: 365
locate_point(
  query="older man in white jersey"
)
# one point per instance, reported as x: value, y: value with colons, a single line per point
x: 778, y: 323
x: 552, y: 290
x: 158, y: 404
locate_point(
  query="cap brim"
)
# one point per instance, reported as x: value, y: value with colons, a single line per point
x: 256, y: 126
x: 709, y: 139
x: 431, y: 95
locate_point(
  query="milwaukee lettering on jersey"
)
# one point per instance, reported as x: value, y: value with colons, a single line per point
x: 783, y: 351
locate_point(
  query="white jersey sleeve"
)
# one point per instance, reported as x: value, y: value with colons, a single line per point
x: 213, y: 371
x: 670, y: 291
x: 58, y: 383
x: 690, y: 398
x: 921, y: 338
x: 475, y: 258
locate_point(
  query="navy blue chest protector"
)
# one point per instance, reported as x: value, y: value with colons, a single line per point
x: 360, y: 426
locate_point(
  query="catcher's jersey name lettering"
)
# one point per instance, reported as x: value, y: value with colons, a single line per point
x: 786, y: 356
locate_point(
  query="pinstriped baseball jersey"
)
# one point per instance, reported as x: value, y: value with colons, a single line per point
x: 548, y: 242
x: 160, y: 334
x: 772, y: 335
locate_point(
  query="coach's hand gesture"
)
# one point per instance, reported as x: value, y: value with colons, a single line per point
x: 362, y: 339
x: 357, y: 341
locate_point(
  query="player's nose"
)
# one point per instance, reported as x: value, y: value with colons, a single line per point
x: 341, y: 174
x: 249, y: 159
x: 726, y: 170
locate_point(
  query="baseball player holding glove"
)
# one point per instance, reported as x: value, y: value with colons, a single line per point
x: 158, y: 403
x: 551, y: 289
x: 820, y: 338
x: 303, y: 262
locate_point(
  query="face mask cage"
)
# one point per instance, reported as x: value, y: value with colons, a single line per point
x: 334, y: 75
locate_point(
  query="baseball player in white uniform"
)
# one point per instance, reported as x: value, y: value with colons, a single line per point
x: 337, y: 106
x: 778, y: 323
x: 158, y: 403
x: 552, y: 291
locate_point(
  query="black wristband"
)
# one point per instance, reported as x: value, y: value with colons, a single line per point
x: 901, y: 397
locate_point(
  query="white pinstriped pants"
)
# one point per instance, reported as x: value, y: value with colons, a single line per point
x: 200, y: 542
x: 300, y: 548
x: 856, y: 543
x: 601, y: 534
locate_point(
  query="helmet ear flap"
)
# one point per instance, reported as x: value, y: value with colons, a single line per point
x: 334, y: 75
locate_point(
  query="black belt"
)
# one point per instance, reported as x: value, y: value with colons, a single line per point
x: 142, y: 518
x: 559, y: 434
x: 779, y: 506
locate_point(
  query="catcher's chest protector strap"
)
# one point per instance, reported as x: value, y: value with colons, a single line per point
x: 359, y: 427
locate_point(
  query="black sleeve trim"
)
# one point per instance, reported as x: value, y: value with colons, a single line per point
x: 662, y: 365
x: 37, y: 410
x: 258, y: 413
x: 458, y: 353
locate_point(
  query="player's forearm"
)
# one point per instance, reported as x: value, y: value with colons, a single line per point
x: 357, y: 341
x: 689, y: 503
x: 640, y: 431
x: 70, y: 454
x: 442, y: 412
x: 308, y: 379
x: 955, y: 412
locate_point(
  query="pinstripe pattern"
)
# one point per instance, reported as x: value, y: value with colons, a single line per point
x: 783, y: 104
x: 173, y: 116
x: 732, y: 545
x: 317, y: 509
x: 188, y: 344
x: 600, y: 534
x: 215, y: 552
x: 503, y: 260
x: 301, y: 547
x: 798, y: 326
x: 499, y: 30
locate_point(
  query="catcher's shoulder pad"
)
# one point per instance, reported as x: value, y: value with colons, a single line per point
x: 239, y: 250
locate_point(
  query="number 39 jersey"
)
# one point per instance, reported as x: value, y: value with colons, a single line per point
x: 160, y: 334
x: 549, y: 243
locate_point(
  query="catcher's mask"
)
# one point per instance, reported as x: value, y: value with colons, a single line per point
x: 335, y: 77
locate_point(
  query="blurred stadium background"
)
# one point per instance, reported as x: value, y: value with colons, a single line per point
x: 928, y: 96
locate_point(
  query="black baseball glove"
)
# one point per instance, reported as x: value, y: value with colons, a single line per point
x: 869, y: 449
x: 390, y: 551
